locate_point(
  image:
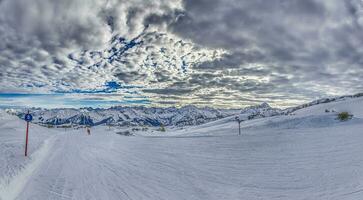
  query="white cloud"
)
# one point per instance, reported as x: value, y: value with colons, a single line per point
x: 228, y: 53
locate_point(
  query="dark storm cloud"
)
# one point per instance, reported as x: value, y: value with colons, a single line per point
x: 162, y: 76
x: 169, y: 91
x: 234, y: 60
x: 128, y: 77
x: 166, y: 18
x: 310, y: 43
x: 48, y: 23
x: 227, y: 24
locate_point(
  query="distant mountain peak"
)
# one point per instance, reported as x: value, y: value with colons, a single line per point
x: 264, y: 105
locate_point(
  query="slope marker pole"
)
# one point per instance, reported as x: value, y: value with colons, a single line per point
x: 239, y: 124
x: 26, y: 139
x: 28, y: 117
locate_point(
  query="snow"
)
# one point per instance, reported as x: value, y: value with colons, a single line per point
x: 353, y: 106
x: 16, y: 185
x: 307, y: 155
x: 13, y: 162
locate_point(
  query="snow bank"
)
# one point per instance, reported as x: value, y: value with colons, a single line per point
x: 11, y: 188
x: 14, y: 165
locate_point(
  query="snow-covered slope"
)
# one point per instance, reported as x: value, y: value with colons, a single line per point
x: 13, y: 165
x: 314, y: 115
x: 351, y: 105
x: 306, y: 155
x: 324, y: 101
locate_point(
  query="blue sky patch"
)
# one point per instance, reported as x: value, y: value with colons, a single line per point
x: 68, y: 100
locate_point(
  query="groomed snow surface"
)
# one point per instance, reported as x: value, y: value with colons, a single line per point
x: 308, y: 155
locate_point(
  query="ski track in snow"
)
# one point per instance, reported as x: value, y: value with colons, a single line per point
x: 16, y: 185
x: 263, y: 166
x: 286, y: 157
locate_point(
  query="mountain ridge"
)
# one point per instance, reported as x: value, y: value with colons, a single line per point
x: 188, y: 115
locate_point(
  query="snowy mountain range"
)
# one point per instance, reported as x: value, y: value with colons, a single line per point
x: 128, y: 116
x: 141, y: 116
x: 144, y: 116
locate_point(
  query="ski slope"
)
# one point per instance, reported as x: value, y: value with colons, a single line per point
x: 307, y: 155
x: 12, y: 160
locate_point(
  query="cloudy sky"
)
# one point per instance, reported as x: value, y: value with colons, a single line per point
x: 222, y: 53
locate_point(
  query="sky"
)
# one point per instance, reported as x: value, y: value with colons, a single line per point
x: 220, y: 53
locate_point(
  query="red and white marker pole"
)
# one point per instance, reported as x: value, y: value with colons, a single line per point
x: 28, y: 117
x: 26, y: 138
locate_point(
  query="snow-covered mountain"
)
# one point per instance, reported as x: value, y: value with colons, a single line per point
x: 259, y: 111
x: 124, y: 116
x: 145, y: 116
